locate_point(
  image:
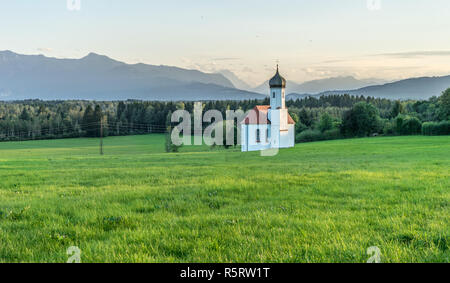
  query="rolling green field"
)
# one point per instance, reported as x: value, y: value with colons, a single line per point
x: 318, y: 202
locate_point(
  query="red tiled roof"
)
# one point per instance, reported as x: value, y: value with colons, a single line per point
x: 259, y: 116
x: 262, y: 107
x: 290, y: 120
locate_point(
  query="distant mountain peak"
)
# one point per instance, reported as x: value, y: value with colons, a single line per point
x: 8, y: 54
x: 235, y: 80
x: 94, y: 56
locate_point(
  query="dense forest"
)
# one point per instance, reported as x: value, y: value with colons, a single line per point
x: 327, y: 117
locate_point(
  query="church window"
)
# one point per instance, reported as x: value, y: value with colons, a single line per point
x: 273, y: 94
x: 258, y: 135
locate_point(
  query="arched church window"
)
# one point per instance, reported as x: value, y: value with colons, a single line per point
x: 258, y: 135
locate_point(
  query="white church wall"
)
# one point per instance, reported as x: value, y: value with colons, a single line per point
x: 277, y: 139
x: 249, y: 135
x: 244, y: 137
x: 283, y: 114
x: 287, y: 137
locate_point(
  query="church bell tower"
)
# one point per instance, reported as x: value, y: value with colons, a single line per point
x: 277, y: 92
x: 278, y: 113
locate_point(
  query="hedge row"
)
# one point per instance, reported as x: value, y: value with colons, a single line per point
x: 403, y: 125
x: 436, y: 128
x: 407, y: 126
x: 316, y: 135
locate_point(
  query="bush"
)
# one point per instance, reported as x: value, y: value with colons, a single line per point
x: 316, y: 135
x: 405, y: 125
x: 300, y: 127
x: 412, y: 126
x: 436, y: 129
x: 309, y: 135
x: 388, y: 127
x: 332, y: 134
x: 398, y: 124
x: 326, y: 122
x: 362, y: 120
x: 170, y: 146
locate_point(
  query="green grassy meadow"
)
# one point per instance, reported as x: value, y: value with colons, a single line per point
x: 318, y: 202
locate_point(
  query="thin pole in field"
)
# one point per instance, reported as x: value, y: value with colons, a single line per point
x: 101, y: 136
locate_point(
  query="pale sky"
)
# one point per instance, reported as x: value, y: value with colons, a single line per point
x: 312, y: 39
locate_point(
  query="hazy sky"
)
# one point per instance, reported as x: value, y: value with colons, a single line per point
x: 311, y: 38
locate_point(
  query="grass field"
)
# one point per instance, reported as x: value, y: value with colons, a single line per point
x: 317, y: 202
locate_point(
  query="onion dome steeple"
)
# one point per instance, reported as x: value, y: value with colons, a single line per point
x: 277, y: 80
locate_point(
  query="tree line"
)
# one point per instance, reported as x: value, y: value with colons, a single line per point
x: 37, y: 119
x: 325, y: 117
x: 370, y: 117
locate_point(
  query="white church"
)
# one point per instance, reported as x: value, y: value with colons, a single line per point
x: 269, y: 126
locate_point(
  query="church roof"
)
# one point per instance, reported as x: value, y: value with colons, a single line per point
x: 277, y: 80
x: 258, y: 116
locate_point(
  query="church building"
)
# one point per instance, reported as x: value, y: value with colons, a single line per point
x: 269, y: 126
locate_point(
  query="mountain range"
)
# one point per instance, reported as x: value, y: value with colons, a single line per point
x: 414, y: 88
x: 98, y: 77
x: 322, y: 85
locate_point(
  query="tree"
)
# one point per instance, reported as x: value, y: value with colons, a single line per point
x: 25, y: 115
x: 412, y: 126
x: 397, y: 109
x: 398, y: 124
x: 305, y: 118
x: 300, y: 127
x: 361, y: 120
x: 98, y: 122
x: 88, y: 119
x: 170, y: 146
x: 228, y: 131
x: 294, y: 116
x: 444, y: 105
x: 406, y: 125
x: 91, y: 121
x: 326, y: 122
x: 121, y: 108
